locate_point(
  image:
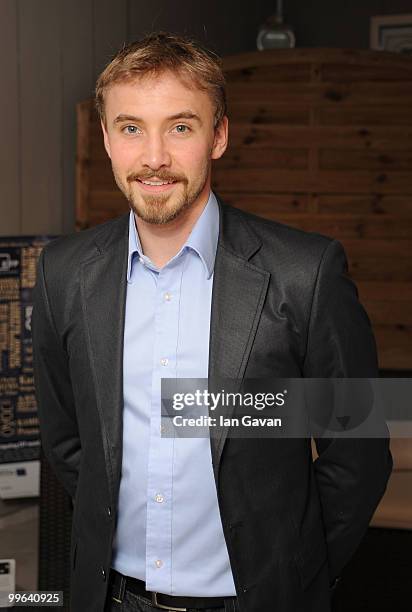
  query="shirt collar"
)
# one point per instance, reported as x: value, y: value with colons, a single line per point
x: 202, y: 239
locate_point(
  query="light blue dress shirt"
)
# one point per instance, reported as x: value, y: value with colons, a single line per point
x: 169, y: 531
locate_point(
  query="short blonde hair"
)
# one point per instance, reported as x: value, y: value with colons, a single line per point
x: 160, y: 52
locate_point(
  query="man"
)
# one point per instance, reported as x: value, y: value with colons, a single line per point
x: 187, y: 287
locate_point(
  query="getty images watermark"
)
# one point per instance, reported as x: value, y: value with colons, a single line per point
x: 287, y: 407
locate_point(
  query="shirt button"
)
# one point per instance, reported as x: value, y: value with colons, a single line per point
x: 167, y: 296
x: 159, y: 498
x: 158, y: 563
x: 164, y: 361
x: 103, y: 574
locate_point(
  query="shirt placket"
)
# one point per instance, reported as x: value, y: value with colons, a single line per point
x: 160, y: 460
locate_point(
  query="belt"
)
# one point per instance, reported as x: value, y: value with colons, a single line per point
x: 119, y: 584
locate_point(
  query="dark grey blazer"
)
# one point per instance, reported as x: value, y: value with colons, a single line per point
x: 282, y: 306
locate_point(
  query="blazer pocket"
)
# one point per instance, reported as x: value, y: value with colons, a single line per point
x: 311, y: 562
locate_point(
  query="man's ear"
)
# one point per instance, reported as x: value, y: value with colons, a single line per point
x: 221, y: 138
x: 105, y: 138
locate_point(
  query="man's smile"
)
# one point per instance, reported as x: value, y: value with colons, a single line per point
x: 154, y: 185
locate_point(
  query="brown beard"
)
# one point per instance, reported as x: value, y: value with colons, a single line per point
x: 155, y: 209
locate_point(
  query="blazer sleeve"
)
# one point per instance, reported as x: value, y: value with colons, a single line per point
x: 55, y: 402
x: 351, y: 473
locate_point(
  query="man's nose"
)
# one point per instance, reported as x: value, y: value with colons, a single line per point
x: 155, y: 153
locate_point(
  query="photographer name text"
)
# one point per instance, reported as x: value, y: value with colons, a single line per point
x: 222, y: 421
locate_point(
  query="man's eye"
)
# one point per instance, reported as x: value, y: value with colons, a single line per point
x: 182, y: 129
x: 130, y: 129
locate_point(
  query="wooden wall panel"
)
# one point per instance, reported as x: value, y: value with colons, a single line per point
x: 400, y: 114
x: 245, y: 158
x: 365, y: 159
x: 272, y: 113
x: 318, y: 152
x: 271, y: 205
x: 376, y: 204
x: 371, y: 137
x: 324, y: 93
x: 358, y: 70
x: 9, y: 111
x: 261, y: 180
x: 345, y: 225
x: 358, y: 181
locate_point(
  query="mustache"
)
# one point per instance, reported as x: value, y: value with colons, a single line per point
x: 162, y: 175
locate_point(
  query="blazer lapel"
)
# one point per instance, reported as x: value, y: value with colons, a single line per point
x: 103, y: 292
x: 239, y: 291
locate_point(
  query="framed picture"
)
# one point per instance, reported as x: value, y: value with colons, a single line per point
x: 392, y: 33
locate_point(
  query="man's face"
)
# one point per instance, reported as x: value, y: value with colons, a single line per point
x: 160, y: 137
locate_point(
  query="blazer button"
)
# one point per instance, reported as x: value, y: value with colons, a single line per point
x: 109, y: 511
x: 103, y: 574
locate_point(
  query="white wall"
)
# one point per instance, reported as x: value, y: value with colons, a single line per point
x: 50, y: 52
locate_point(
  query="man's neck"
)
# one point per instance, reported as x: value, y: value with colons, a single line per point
x: 161, y: 242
